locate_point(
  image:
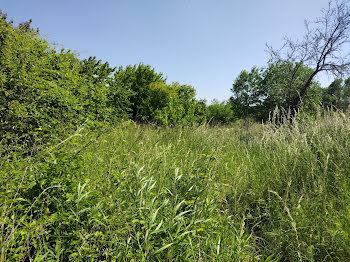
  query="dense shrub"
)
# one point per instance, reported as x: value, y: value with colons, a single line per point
x: 138, y: 79
x: 43, y: 92
x: 116, y: 97
x: 220, y: 112
x: 90, y: 198
x: 144, y: 193
x: 337, y: 95
x: 181, y: 108
x: 258, y: 92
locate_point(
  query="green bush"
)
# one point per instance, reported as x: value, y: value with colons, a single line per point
x: 138, y: 79
x: 181, y: 109
x: 238, y: 193
x: 220, y: 113
x: 88, y: 198
x: 43, y: 93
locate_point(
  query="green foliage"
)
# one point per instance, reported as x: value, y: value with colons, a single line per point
x: 244, y: 193
x: 337, y: 95
x: 182, y: 107
x: 116, y: 99
x: 248, y: 91
x: 159, y: 97
x: 258, y: 92
x: 220, y: 112
x: 152, y: 100
x: 100, y: 202
x: 138, y: 79
x: 296, y: 178
x: 44, y: 93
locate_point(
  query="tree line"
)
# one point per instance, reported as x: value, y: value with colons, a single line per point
x: 258, y: 92
x: 46, y: 92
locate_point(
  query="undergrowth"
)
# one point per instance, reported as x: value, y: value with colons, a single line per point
x: 138, y: 193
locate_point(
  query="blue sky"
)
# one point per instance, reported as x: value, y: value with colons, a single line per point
x: 203, y: 43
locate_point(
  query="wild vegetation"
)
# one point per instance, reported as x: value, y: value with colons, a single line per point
x: 245, y: 193
x: 102, y: 163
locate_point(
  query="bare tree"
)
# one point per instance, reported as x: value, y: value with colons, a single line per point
x: 322, y: 48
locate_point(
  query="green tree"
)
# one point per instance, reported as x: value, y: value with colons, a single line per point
x: 182, y: 107
x: 248, y: 93
x: 258, y: 92
x: 220, y: 112
x: 116, y: 99
x: 138, y: 80
x: 44, y: 93
x: 337, y: 94
x: 33, y: 85
x: 322, y: 49
x: 160, y: 95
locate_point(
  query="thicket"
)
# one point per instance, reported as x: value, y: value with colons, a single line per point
x: 138, y: 193
x: 258, y: 92
x: 79, y: 181
x: 220, y: 113
x: 46, y: 93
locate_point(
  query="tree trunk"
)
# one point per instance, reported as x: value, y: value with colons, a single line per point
x: 294, y: 107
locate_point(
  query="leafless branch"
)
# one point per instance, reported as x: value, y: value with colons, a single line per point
x: 322, y: 47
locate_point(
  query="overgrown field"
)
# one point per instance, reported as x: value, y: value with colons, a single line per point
x: 137, y: 193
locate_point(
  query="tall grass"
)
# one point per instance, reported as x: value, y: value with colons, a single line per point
x: 136, y: 193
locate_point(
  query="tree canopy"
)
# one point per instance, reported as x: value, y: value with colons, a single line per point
x: 46, y: 93
x: 256, y: 93
x: 322, y: 49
